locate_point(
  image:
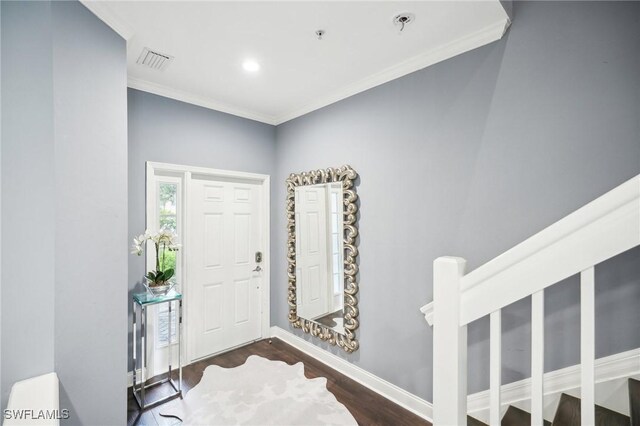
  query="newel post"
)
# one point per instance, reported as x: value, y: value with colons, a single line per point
x: 449, y: 344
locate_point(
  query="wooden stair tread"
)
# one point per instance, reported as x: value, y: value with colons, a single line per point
x: 634, y: 401
x: 517, y: 417
x: 471, y: 421
x: 568, y: 414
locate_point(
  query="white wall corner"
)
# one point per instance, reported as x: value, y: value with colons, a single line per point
x: 427, y: 311
x: 403, y: 398
x: 106, y: 15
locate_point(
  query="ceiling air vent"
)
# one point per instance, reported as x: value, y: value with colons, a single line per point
x: 154, y: 60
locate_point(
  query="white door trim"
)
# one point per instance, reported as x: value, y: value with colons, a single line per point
x: 152, y: 168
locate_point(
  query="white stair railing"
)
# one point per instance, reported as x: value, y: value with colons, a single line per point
x: 537, y: 357
x: 450, y: 365
x: 598, y: 231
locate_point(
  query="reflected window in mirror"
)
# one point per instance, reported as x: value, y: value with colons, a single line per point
x: 322, y: 252
x: 319, y: 273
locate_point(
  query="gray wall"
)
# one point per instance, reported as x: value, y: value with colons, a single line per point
x: 91, y: 246
x: 470, y: 157
x: 0, y: 206
x: 64, y: 201
x: 169, y: 131
x: 28, y: 201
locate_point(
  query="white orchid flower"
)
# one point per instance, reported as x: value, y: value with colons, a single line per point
x: 164, y: 239
x: 137, y: 247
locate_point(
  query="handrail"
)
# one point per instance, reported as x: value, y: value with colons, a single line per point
x: 605, y: 227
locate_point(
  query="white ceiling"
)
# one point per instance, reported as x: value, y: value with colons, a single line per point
x: 361, y: 48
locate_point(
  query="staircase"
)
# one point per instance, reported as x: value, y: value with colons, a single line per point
x: 573, y: 246
x: 568, y: 413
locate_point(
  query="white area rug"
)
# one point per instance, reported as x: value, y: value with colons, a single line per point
x: 260, y: 392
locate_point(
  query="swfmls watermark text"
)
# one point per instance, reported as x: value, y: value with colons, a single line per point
x: 25, y: 414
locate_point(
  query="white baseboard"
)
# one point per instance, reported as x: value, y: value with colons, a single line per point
x: 407, y: 400
x: 618, y: 366
x: 130, y: 376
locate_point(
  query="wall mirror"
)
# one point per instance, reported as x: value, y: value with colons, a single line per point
x: 322, y: 253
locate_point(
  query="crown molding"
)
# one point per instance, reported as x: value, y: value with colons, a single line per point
x: 480, y: 38
x: 191, y: 98
x: 106, y: 15
x: 485, y: 36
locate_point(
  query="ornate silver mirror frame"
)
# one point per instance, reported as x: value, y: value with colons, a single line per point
x: 347, y: 176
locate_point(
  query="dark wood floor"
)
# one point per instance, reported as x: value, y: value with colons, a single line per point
x: 366, y: 406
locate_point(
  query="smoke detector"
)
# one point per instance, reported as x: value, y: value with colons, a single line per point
x: 403, y: 19
x: 154, y: 59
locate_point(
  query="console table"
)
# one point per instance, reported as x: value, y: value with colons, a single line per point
x: 141, y: 302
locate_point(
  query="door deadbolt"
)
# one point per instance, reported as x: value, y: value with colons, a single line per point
x: 258, y: 256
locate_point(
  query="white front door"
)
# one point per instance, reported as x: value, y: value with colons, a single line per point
x: 223, y: 288
x: 311, y: 248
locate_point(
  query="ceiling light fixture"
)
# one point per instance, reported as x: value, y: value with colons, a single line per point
x: 403, y: 19
x: 319, y: 34
x: 250, y: 65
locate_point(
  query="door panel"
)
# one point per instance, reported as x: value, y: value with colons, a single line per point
x: 223, y: 290
x: 311, y: 250
x: 213, y: 299
x: 213, y: 242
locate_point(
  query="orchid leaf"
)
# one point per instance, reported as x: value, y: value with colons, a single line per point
x: 168, y: 274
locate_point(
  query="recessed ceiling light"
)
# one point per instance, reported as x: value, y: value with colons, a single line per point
x: 250, y: 65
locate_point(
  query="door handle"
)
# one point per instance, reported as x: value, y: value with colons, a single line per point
x: 258, y: 269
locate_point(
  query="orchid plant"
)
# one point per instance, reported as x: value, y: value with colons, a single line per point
x: 164, y: 240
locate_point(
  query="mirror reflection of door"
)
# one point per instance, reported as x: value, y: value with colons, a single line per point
x: 319, y: 254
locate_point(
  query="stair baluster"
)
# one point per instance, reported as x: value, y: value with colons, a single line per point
x: 537, y: 358
x: 587, y: 345
x: 495, y: 366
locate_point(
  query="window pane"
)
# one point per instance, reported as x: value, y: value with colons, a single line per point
x: 167, y: 218
x: 334, y: 202
x: 167, y: 259
x: 167, y: 196
x: 164, y: 322
x: 169, y: 222
x: 167, y: 202
x: 336, y: 284
x: 334, y: 243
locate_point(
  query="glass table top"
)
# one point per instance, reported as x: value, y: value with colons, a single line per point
x: 149, y: 299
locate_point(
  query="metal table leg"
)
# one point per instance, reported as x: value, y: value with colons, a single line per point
x: 139, y: 388
x: 169, y: 347
x: 180, y: 346
x: 143, y: 357
x: 134, y: 348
